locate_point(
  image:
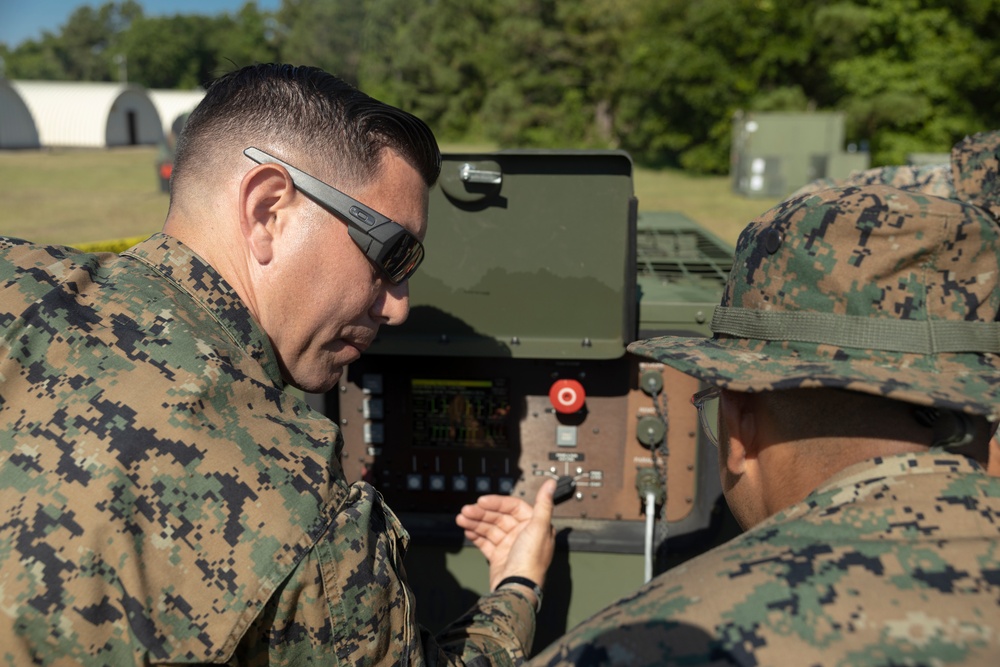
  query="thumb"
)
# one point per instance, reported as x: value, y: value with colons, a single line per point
x: 543, y: 501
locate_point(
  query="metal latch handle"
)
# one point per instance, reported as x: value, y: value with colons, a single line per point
x: 470, y: 174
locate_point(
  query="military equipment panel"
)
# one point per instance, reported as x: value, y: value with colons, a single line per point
x: 527, y: 258
x: 512, y: 369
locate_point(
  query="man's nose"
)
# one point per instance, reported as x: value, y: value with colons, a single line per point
x: 395, y: 303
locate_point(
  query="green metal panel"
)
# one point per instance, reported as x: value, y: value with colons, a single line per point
x: 514, y: 248
x: 680, y: 270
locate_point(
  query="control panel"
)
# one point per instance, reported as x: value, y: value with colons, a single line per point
x: 512, y: 366
x: 433, y: 434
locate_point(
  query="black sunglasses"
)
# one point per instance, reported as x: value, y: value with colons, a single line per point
x: 386, y: 243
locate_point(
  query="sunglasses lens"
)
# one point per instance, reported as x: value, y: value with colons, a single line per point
x: 403, y: 258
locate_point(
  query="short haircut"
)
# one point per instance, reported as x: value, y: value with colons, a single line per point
x: 311, y: 110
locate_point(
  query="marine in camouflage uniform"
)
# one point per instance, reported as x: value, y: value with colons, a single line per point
x: 881, y: 305
x: 166, y: 501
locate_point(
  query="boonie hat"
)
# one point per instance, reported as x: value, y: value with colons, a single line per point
x: 866, y: 288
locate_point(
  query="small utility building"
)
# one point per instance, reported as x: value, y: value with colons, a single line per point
x: 174, y: 105
x: 775, y: 153
x: 17, y: 126
x: 90, y: 114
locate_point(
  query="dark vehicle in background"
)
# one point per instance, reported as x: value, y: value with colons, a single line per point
x: 165, y: 154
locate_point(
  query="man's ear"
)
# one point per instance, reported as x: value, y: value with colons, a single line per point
x: 741, y: 428
x: 266, y: 193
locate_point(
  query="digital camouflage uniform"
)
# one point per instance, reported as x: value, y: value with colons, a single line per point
x: 894, y: 560
x: 841, y: 578
x: 165, y: 501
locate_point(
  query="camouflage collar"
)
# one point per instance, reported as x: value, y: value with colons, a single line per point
x: 195, y: 277
x: 883, y: 467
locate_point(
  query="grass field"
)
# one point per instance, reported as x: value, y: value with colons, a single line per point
x: 80, y: 195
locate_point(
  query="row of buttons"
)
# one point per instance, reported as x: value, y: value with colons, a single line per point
x: 459, y: 483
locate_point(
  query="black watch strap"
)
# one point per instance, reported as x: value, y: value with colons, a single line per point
x: 528, y: 583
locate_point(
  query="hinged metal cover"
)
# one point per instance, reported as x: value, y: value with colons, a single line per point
x: 530, y: 254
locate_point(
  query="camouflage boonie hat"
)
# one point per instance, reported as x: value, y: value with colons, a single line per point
x: 865, y: 288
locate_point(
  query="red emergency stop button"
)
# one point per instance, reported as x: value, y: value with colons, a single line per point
x: 567, y: 396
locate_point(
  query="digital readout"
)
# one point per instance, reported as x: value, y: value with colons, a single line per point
x: 471, y: 414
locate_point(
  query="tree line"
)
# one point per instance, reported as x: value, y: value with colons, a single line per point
x: 659, y: 78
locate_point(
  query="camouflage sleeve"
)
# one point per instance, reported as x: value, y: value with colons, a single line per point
x: 347, y: 602
x: 890, y: 561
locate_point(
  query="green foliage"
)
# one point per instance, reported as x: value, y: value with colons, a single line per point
x: 324, y: 34
x: 660, y: 78
x: 903, y: 72
x: 84, y: 50
x: 187, y: 51
x: 179, y: 51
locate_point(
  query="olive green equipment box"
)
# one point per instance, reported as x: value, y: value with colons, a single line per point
x: 512, y: 369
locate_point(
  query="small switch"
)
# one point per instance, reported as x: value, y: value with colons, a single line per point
x: 372, y: 408
x: 373, y: 433
x: 371, y: 383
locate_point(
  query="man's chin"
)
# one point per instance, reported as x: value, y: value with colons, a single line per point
x: 317, y: 384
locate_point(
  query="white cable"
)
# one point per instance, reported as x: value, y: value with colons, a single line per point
x: 650, y: 518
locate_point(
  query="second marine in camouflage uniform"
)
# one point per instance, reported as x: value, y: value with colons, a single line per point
x: 894, y: 559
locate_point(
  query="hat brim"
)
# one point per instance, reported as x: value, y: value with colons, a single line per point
x: 965, y: 382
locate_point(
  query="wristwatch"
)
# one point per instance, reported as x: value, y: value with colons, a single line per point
x: 528, y: 583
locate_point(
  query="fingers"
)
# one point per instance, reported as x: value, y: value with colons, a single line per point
x: 504, y: 505
x: 494, y: 531
x: 529, y: 547
x: 474, y: 514
x: 494, y: 523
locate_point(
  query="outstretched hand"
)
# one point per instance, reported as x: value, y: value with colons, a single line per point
x: 516, y: 538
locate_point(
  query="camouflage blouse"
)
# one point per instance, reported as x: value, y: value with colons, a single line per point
x: 165, y: 501
x: 894, y: 561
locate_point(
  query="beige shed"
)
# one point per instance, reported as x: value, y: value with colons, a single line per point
x: 17, y: 126
x: 90, y: 114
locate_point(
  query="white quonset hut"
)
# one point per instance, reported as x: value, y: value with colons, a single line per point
x: 17, y: 127
x: 173, y: 104
x: 90, y: 114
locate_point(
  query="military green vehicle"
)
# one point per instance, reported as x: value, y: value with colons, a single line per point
x: 512, y: 368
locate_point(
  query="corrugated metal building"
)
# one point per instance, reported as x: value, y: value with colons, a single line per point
x: 17, y: 126
x: 90, y: 114
x: 172, y: 104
